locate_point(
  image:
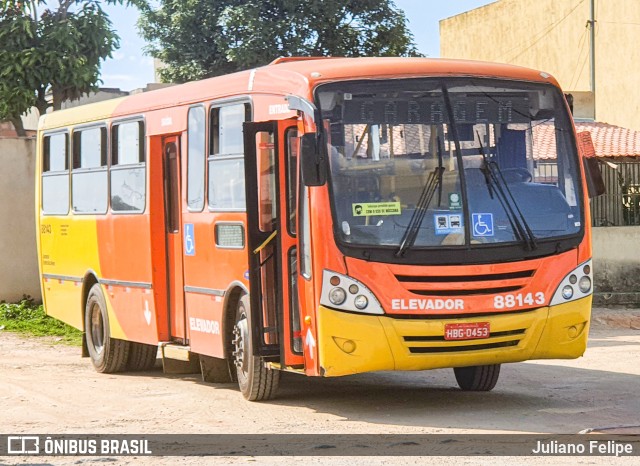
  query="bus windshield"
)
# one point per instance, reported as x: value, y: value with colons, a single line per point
x: 457, y: 162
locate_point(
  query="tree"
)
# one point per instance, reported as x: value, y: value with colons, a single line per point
x: 44, y: 50
x: 184, y: 35
x: 203, y: 38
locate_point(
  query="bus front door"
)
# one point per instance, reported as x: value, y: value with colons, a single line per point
x: 271, y: 179
x: 173, y: 238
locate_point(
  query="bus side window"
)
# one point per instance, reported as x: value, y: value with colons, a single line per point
x: 226, y: 157
x: 89, y: 191
x: 305, y: 235
x: 291, y: 157
x: 196, y: 159
x: 128, y: 174
x: 266, y: 180
x: 55, y: 174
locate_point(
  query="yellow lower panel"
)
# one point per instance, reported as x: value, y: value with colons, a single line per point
x: 349, y: 343
x: 62, y: 301
x: 566, y: 332
x: 352, y: 343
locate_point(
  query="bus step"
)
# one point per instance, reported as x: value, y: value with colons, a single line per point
x: 178, y: 359
x: 280, y: 367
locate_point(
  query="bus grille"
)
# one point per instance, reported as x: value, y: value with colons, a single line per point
x: 438, y: 344
x: 465, y: 285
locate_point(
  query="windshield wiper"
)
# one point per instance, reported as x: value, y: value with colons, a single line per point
x: 496, y: 183
x: 411, y: 233
x: 441, y: 170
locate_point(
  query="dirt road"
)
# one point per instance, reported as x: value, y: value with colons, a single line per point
x: 48, y: 388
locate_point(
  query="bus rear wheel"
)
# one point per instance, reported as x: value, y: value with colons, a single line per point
x: 256, y: 382
x: 142, y: 357
x: 477, y: 378
x: 107, y: 354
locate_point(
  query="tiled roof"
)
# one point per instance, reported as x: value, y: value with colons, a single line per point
x: 608, y: 140
x: 612, y: 141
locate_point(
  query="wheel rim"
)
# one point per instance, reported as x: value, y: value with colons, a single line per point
x: 241, y: 333
x: 97, y: 328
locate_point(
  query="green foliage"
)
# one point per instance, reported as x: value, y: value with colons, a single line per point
x: 185, y: 36
x: 202, y: 38
x: 16, y: 44
x: 59, y: 50
x: 28, y: 318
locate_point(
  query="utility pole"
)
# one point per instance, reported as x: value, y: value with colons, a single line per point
x: 592, y: 26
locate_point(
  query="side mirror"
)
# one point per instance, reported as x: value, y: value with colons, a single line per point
x: 312, y: 161
x: 595, y: 183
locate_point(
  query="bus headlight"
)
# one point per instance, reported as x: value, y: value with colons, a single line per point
x: 361, y: 301
x: 568, y: 291
x: 337, y: 296
x: 585, y: 284
x: 358, y: 299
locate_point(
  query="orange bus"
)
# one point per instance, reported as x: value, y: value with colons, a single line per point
x: 321, y: 216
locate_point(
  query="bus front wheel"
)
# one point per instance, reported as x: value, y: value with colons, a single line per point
x: 477, y: 378
x: 107, y: 354
x: 256, y: 382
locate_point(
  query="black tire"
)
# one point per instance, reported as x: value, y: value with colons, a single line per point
x: 107, y: 354
x: 256, y: 382
x: 142, y: 357
x: 477, y: 378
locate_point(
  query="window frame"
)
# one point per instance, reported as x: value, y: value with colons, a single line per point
x: 121, y: 167
x: 212, y: 158
x: 305, y: 254
x: 206, y: 155
x: 291, y: 201
x: 104, y: 158
x: 67, y: 133
x: 171, y: 184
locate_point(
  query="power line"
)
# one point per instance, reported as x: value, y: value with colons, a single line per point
x: 581, y: 46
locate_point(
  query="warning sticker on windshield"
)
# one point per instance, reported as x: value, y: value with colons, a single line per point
x: 366, y: 209
x: 446, y: 224
x: 455, y: 202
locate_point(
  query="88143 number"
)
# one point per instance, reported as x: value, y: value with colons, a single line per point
x: 508, y: 301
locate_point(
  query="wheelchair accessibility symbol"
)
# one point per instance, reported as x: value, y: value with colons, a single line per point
x: 189, y: 240
x: 482, y: 224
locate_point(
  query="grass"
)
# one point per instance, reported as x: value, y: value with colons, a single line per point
x: 28, y: 318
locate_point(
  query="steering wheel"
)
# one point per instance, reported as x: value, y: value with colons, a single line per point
x: 517, y: 174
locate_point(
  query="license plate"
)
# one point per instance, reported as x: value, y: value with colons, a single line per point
x: 469, y: 331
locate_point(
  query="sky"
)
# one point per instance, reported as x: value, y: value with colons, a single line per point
x: 131, y: 69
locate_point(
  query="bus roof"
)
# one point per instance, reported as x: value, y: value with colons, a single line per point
x: 285, y: 76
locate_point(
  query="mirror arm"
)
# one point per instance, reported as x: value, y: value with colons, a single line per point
x: 307, y: 108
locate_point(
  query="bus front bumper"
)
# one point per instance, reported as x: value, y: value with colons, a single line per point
x: 354, y: 343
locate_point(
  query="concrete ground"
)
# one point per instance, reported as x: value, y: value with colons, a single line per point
x: 48, y: 388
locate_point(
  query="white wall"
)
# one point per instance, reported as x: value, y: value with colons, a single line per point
x: 616, y: 265
x: 18, y: 255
